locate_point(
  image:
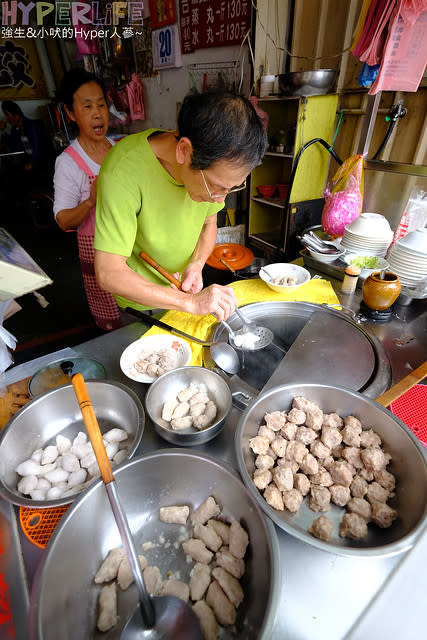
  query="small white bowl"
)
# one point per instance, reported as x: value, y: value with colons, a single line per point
x: 179, y: 348
x: 380, y: 264
x: 371, y: 225
x: 415, y: 241
x: 282, y: 269
x: 324, y: 257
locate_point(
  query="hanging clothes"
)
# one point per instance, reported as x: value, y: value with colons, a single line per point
x: 135, y: 96
x: 102, y: 305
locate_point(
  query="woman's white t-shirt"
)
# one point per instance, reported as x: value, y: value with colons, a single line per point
x: 71, y: 184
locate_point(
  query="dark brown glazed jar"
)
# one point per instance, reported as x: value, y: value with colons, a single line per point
x: 380, y: 294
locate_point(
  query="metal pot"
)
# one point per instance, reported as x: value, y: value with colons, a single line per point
x: 64, y: 596
x: 307, y: 83
x: 327, y: 358
x: 56, y: 412
x: 408, y: 464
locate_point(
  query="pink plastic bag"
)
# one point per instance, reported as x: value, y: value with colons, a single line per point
x: 405, y: 52
x: 344, y: 202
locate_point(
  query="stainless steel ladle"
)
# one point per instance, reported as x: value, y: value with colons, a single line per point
x: 156, y: 617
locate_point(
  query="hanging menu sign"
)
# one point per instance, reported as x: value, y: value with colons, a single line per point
x: 213, y: 23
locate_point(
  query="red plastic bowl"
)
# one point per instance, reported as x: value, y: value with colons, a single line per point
x: 266, y: 190
x: 283, y: 190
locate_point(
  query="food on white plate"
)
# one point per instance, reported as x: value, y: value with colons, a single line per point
x: 213, y: 588
x: 64, y: 469
x: 304, y: 453
x: 154, y: 363
x: 192, y: 407
x: 365, y: 262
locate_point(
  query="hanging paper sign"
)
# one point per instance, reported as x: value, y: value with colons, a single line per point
x: 166, y: 50
x: 213, y: 23
x: 162, y: 12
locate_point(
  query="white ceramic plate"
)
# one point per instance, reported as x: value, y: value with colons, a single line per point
x: 179, y: 349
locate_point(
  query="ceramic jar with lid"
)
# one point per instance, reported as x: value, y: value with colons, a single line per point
x: 379, y: 294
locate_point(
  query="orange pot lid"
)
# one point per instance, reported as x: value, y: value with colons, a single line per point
x: 236, y: 255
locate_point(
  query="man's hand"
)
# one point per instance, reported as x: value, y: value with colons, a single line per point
x: 215, y: 299
x: 192, y: 281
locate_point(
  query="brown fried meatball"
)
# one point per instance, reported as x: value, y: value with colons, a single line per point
x: 350, y: 436
x: 331, y: 437
x: 297, y: 416
x: 332, y: 420
x: 292, y: 500
x: 353, y: 526
x: 339, y: 495
x: 266, y: 432
x: 274, y: 497
x: 322, y: 477
x: 373, y: 458
x: 314, y: 418
x: 351, y: 421
x: 369, y: 438
x: 275, y: 420
x: 305, y: 435
x: 382, y: 514
x: 361, y: 507
x: 283, y: 478
x: 301, y: 483
x: 318, y: 449
x: 321, y: 528
x: 289, y: 430
x: 385, y: 479
x: 358, y: 487
x: 309, y: 464
x: 278, y: 446
x: 341, y: 473
x: 296, y: 451
x: 352, y: 455
x: 264, y: 461
x: 320, y: 498
x: 262, y: 478
x: 377, y: 493
x: 259, y: 444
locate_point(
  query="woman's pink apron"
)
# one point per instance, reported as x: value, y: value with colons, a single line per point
x: 102, y: 305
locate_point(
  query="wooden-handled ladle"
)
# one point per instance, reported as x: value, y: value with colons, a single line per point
x: 156, y: 616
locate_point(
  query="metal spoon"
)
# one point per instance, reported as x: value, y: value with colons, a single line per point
x: 266, y: 272
x: 308, y: 242
x: 222, y: 353
x: 155, y: 617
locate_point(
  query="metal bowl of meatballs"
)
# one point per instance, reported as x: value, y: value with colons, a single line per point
x: 174, y: 499
x: 334, y: 468
x: 188, y: 406
x: 46, y: 459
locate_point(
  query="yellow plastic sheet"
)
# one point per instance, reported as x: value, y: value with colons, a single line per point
x: 317, y: 291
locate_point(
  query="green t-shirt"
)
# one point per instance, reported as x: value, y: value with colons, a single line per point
x: 140, y: 207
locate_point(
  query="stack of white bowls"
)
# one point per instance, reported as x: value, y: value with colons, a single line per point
x: 369, y: 234
x: 408, y: 258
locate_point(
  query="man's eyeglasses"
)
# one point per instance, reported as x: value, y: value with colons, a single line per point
x: 214, y: 196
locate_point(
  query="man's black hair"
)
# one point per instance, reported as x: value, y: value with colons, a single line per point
x: 71, y: 82
x: 11, y: 107
x: 222, y: 126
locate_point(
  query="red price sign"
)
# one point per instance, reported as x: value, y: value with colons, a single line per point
x: 213, y: 23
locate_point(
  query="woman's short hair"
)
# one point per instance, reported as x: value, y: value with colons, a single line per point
x: 222, y: 126
x: 71, y: 82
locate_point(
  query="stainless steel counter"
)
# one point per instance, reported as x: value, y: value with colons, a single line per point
x: 323, y: 594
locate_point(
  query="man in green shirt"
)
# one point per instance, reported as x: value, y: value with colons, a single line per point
x: 160, y: 191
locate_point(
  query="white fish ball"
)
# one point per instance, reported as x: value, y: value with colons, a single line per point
x: 54, y: 493
x: 70, y: 462
x: 80, y: 438
x: 59, y: 462
x: 87, y: 460
x: 81, y: 449
x: 47, y: 468
x: 93, y: 470
x: 43, y: 484
x: 49, y: 454
x: 57, y: 475
x: 38, y: 494
x: 37, y: 455
x: 29, y: 468
x: 63, y: 443
x: 27, y: 484
x: 77, y: 477
x: 115, y: 435
x: 62, y: 485
x: 120, y: 456
x: 111, y: 449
